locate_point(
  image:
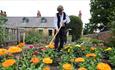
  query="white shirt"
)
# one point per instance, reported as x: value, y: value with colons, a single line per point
x: 67, y: 20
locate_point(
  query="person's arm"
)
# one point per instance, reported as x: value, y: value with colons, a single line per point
x: 67, y: 20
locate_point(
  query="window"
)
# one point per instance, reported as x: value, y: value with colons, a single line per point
x: 43, y: 20
x: 25, y: 20
x: 40, y: 31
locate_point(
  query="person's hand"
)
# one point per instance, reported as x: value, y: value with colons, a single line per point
x: 62, y: 24
x: 57, y: 29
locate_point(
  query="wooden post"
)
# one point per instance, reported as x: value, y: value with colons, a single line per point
x: 18, y: 39
x: 24, y: 37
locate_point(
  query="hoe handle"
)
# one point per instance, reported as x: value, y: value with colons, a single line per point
x: 55, y: 36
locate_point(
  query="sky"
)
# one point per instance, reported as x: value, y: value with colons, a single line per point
x: 48, y: 8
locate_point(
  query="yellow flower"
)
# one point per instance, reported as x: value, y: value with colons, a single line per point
x: 91, y: 55
x: 79, y: 59
x: 72, y: 60
x: 77, y: 45
x: 47, y: 60
x: 82, y: 68
x: 67, y: 66
x: 35, y: 60
x: 51, y: 45
x: 108, y: 49
x: 14, y: 49
x: 8, y: 63
x: 3, y: 52
x: 103, y: 66
x: 92, y: 48
x: 46, y: 68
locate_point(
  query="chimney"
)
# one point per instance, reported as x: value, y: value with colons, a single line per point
x: 80, y: 14
x: 1, y: 13
x: 38, y: 14
x: 4, y: 13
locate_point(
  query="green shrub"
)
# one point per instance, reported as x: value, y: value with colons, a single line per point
x: 33, y: 37
x: 111, y: 55
x: 2, y: 29
x: 89, y: 41
x: 76, y: 27
x: 113, y: 34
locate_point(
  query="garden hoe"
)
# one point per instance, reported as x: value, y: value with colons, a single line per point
x: 51, y: 44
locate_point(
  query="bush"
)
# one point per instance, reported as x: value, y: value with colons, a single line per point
x: 113, y: 34
x: 76, y: 26
x: 2, y: 30
x: 33, y: 37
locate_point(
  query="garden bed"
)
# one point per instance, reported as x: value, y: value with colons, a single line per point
x: 84, y: 55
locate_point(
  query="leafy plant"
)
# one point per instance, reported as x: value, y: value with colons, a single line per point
x: 76, y: 27
x: 2, y: 29
x: 33, y: 37
x: 111, y: 55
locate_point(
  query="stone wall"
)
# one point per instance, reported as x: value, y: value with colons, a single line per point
x: 105, y: 36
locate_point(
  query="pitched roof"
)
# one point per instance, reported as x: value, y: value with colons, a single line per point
x: 17, y: 22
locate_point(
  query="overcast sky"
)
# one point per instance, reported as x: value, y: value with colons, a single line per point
x: 46, y: 7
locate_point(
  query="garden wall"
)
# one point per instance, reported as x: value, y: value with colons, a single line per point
x: 105, y: 36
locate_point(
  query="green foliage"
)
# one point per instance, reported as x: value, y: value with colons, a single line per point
x: 76, y: 26
x: 89, y: 41
x: 67, y: 55
x: 2, y: 29
x: 109, y: 54
x: 33, y: 37
x: 112, y: 57
x: 87, y: 29
x: 112, y: 42
x: 100, y: 12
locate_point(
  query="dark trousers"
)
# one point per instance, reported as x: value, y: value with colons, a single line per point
x: 60, y: 39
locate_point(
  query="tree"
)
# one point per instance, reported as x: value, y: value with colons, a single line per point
x: 112, y: 19
x: 76, y: 27
x: 2, y: 29
x: 100, y: 12
x: 87, y: 29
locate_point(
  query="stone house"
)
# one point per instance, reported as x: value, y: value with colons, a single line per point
x: 18, y: 26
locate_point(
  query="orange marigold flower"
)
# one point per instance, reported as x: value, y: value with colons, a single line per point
x: 92, y: 48
x: 14, y: 49
x: 8, y: 63
x: 21, y: 45
x: 35, y: 60
x: 83, y: 48
x: 103, y: 66
x: 79, y: 59
x: 46, y: 68
x: 47, y: 60
x: 67, y: 66
x: 3, y: 52
x: 91, y: 55
x: 51, y: 45
x: 82, y: 68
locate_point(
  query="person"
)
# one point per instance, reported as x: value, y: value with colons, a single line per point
x: 60, y: 21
